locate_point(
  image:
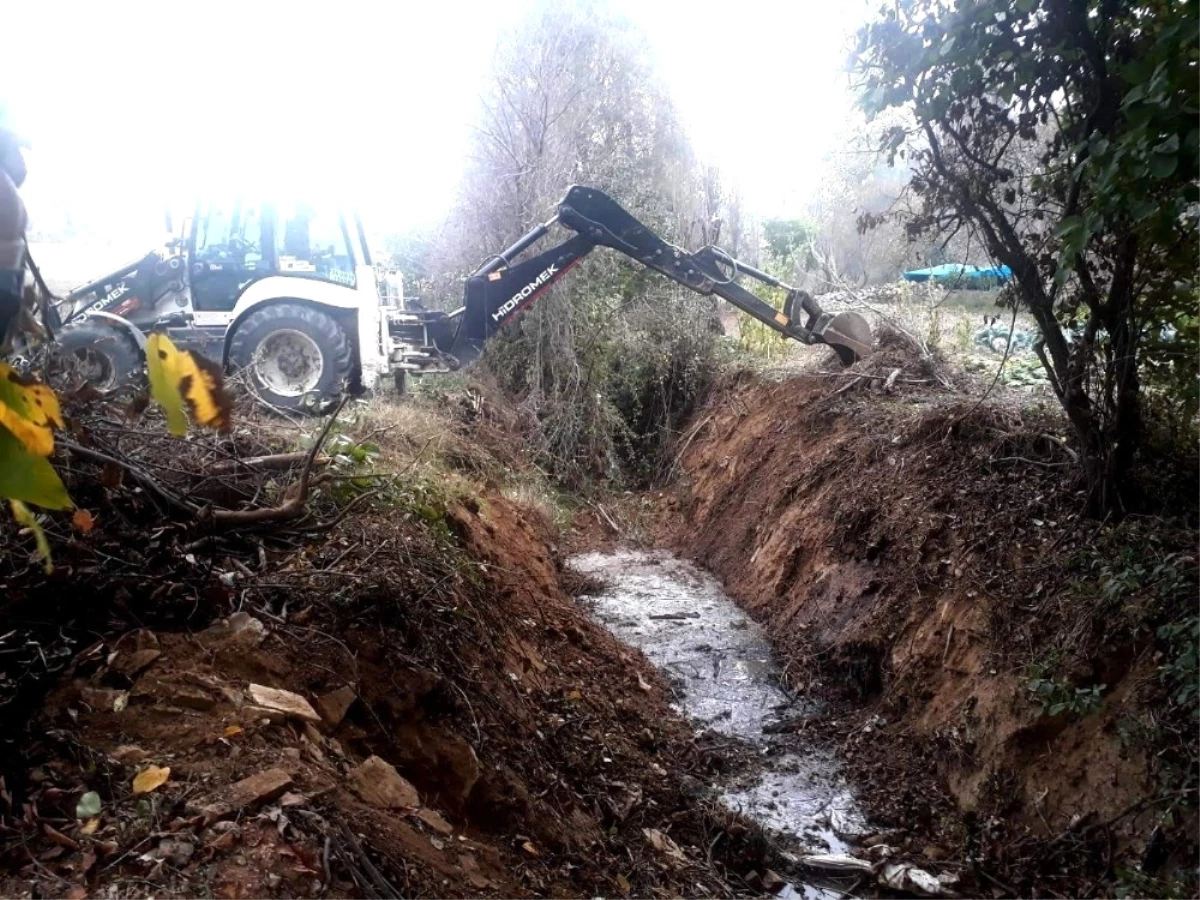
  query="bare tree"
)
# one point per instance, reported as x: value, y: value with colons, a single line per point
x: 572, y: 99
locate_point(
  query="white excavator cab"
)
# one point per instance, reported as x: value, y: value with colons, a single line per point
x: 285, y: 291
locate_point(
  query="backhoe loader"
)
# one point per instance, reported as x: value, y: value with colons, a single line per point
x: 291, y: 295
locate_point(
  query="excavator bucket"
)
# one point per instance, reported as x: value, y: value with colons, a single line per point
x: 849, y: 335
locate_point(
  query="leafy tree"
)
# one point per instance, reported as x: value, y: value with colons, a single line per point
x: 1064, y: 133
x: 790, y: 239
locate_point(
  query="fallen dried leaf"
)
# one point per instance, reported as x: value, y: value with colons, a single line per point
x: 530, y: 849
x: 90, y: 826
x: 232, y: 730
x: 83, y: 520
x: 623, y: 884
x: 664, y: 844
x: 150, y: 778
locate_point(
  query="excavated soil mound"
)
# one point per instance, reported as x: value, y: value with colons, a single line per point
x: 409, y: 706
x: 999, y: 660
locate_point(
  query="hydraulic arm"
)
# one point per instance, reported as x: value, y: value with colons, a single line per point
x: 499, y: 289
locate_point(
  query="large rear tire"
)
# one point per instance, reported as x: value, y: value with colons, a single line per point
x: 297, y: 357
x: 105, y: 355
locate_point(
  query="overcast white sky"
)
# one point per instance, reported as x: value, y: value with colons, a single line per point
x: 130, y: 103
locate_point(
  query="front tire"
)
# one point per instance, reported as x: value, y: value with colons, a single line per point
x: 297, y: 357
x: 104, y: 355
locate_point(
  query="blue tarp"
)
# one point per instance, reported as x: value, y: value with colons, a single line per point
x: 958, y: 272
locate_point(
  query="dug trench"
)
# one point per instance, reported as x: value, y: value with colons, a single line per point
x: 425, y: 701
x: 1004, y: 681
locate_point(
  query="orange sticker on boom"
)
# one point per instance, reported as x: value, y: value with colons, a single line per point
x: 180, y: 378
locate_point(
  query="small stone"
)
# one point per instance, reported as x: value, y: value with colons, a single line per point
x: 129, y: 754
x: 104, y: 699
x: 313, y: 736
x: 478, y: 881
x: 291, y: 752
x: 241, y: 621
x: 234, y: 637
x: 434, y: 820
x: 467, y: 862
x: 145, y: 639
x: 133, y: 664
x: 378, y: 783
x: 273, y: 880
x: 192, y: 698
x: 214, y: 812
x: 237, y: 622
x: 772, y: 883
x: 233, y: 695
x: 286, y: 702
x: 260, y: 787
x: 334, y: 705
x: 177, y: 853
x: 292, y: 799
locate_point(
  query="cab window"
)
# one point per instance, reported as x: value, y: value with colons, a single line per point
x: 312, y: 241
x: 230, y: 237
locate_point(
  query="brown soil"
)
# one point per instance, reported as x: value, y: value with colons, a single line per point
x: 920, y: 559
x: 542, y: 768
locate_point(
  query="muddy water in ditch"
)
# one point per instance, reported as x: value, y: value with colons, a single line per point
x: 726, y: 679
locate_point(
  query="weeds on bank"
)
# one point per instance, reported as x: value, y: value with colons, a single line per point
x: 1057, y: 696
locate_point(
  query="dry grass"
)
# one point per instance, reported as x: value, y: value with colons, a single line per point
x: 408, y: 435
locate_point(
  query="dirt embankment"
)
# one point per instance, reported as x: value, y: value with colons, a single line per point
x: 452, y: 725
x: 1004, y: 698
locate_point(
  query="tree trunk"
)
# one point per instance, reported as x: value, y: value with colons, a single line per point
x: 1110, y: 430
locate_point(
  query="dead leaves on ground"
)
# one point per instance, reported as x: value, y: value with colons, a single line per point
x: 150, y: 778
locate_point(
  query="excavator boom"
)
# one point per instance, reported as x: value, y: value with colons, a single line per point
x: 501, y: 288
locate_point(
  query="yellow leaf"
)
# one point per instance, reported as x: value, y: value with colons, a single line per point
x: 29, y: 397
x: 27, y: 477
x: 29, y: 410
x: 150, y: 778
x: 180, y: 378
x: 530, y: 849
x: 232, y: 730
x: 34, y: 438
x: 574, y: 695
x: 83, y: 520
x: 623, y: 884
x: 90, y: 826
x: 25, y: 516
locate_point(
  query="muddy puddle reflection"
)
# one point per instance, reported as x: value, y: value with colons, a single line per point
x: 726, y: 679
